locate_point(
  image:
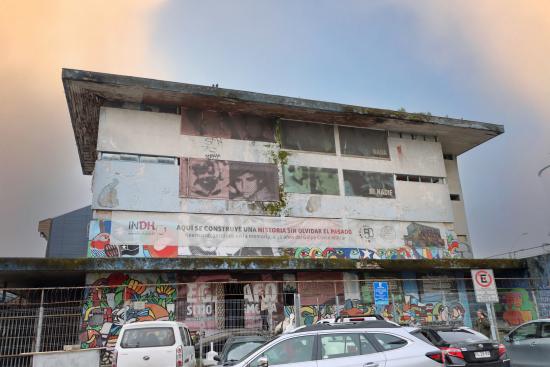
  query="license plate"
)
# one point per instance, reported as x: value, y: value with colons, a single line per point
x: 482, y: 354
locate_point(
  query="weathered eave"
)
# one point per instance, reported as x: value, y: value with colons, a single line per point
x: 38, y: 270
x: 87, y: 91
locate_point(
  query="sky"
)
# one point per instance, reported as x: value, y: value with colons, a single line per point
x: 478, y: 60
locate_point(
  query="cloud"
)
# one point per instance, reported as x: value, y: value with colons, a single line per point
x: 507, y: 42
x: 41, y: 174
x: 498, y: 51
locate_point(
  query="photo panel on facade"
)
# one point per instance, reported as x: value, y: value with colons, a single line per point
x: 309, y: 137
x: 369, y: 184
x: 324, y: 181
x: 208, y: 179
x: 226, y: 125
x: 296, y: 179
x: 311, y: 180
x: 253, y: 181
x: 363, y: 142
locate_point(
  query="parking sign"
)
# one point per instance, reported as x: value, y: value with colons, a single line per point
x: 380, y: 293
x: 484, y: 286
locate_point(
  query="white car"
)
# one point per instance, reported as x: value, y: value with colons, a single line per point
x: 357, y: 344
x: 154, y: 344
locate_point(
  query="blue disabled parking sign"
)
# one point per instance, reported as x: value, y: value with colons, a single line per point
x: 380, y: 293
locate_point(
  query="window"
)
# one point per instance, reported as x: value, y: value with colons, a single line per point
x: 311, y: 180
x: 402, y: 135
x: 138, y: 158
x: 455, y: 197
x: 421, y: 336
x: 340, y: 345
x: 363, y: 142
x: 366, y: 345
x: 545, y: 330
x: 185, y: 338
x: 239, y: 350
x: 390, y: 342
x: 143, y: 107
x: 148, y: 337
x: 309, y: 137
x: 525, y: 332
x: 295, y: 350
x: 228, y: 125
x: 414, y: 178
x: 369, y: 184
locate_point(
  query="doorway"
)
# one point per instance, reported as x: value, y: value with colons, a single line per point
x: 234, y: 305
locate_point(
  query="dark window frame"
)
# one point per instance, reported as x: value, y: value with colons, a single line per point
x: 372, y: 156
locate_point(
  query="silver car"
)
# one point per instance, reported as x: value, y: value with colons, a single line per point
x: 362, y: 344
x: 528, y: 345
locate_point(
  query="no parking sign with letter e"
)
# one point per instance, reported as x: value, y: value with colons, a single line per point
x: 484, y: 286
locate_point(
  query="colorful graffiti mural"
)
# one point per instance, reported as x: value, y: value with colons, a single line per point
x: 157, y: 239
x: 516, y: 307
x: 99, y: 244
x: 408, y: 313
x: 117, y: 299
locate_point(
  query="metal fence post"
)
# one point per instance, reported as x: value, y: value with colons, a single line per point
x: 337, y: 301
x: 492, y: 317
x: 38, y: 340
x: 297, y: 306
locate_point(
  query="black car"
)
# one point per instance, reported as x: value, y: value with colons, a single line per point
x: 237, y: 347
x: 464, y: 347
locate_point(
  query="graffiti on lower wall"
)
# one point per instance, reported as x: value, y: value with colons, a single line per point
x: 117, y: 299
x: 539, y: 268
x: 516, y: 307
x: 260, y: 302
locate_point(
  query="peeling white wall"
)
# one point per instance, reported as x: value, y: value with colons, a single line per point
x: 154, y: 187
x: 459, y: 212
x: 153, y: 133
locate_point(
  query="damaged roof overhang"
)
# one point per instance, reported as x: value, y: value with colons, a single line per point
x: 87, y: 91
x: 69, y: 272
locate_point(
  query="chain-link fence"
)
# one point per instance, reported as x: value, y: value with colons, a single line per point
x: 48, y: 319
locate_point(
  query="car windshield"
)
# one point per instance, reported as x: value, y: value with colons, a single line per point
x: 238, y: 350
x: 148, y: 337
x: 460, y: 336
x: 252, y: 351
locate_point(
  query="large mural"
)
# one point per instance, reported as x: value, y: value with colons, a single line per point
x: 539, y: 269
x: 515, y: 307
x: 166, y: 235
x: 116, y: 299
x: 407, y: 305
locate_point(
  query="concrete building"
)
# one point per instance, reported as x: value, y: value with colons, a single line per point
x: 229, y: 183
x: 183, y: 170
x: 208, y: 200
x: 67, y: 234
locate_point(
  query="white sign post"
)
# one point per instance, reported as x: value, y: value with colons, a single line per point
x: 486, y: 292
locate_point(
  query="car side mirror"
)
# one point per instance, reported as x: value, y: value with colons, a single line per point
x: 217, y: 358
x: 508, y: 339
x: 263, y: 362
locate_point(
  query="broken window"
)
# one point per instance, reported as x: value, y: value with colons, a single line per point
x: 229, y: 125
x: 415, y: 178
x: 363, y: 142
x: 309, y: 137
